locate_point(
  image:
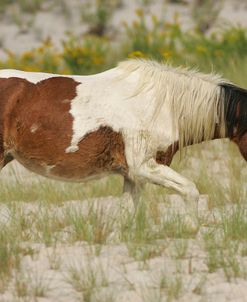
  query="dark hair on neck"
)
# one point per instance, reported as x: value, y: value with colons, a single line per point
x: 234, y: 97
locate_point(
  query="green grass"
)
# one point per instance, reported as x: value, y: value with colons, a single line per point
x: 87, y: 279
x: 179, y: 248
x: 29, y: 286
x: 93, y: 227
x: 223, y: 250
x: 234, y: 223
x: 9, y: 254
x: 165, y: 285
x: 57, y: 192
x: 144, y: 252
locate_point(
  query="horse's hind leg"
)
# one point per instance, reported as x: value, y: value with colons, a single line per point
x: 132, y: 190
x: 163, y: 175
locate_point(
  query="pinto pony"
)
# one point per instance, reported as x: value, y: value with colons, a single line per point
x: 129, y: 120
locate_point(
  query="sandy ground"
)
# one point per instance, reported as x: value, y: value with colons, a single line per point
x: 127, y: 279
x: 120, y: 276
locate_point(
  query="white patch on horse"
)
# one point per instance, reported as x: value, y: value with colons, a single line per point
x: 108, y: 100
x: 71, y: 149
x: 34, y: 128
x: 151, y: 104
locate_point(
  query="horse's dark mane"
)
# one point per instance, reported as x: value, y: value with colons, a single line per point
x: 232, y: 96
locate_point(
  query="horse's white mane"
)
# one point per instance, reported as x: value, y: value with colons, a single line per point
x: 195, y: 98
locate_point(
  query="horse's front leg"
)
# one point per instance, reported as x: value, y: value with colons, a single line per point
x: 163, y: 175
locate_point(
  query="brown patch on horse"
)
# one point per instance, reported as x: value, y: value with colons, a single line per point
x: 40, y: 104
x: 10, y: 90
x: 100, y: 152
x: 165, y: 158
x: 38, y: 129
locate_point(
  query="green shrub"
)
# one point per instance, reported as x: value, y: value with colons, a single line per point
x: 160, y: 41
x: 223, y: 51
x: 86, y: 55
x: 44, y: 58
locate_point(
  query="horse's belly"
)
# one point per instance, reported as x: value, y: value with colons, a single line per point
x: 99, y: 153
x: 61, y: 170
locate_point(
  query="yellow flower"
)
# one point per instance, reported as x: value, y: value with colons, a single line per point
x: 40, y: 49
x: 167, y: 54
x: 97, y: 60
x: 136, y: 54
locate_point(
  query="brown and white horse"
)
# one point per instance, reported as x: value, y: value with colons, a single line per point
x: 129, y: 120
